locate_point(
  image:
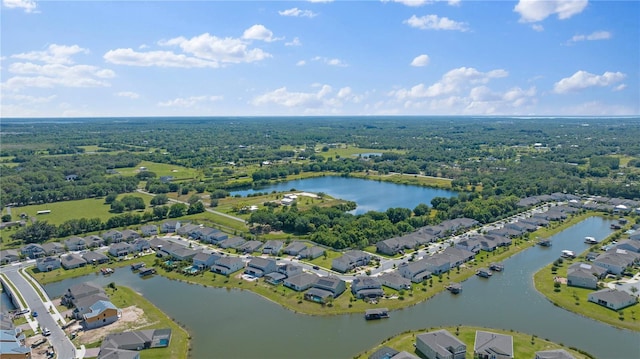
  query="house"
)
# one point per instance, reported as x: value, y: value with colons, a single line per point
x: 113, y: 236
x: 554, y: 354
x: 615, y: 261
x: 384, y: 353
x: 204, y: 260
x: 178, y: 252
x: 120, y: 249
x: 350, y: 260
x: 325, y: 288
x: 227, y: 265
x: 365, y: 287
x: 33, y: 251
x: 47, y: 264
x: 233, y: 242
x: 300, y: 282
x: 272, y: 247
x: 389, y: 246
x: 80, y: 291
x: 311, y: 252
x: 274, y: 278
x: 629, y: 245
x: 75, y: 244
x: 53, y: 248
x: 395, y: 281
x: 13, y: 344
x: 250, y: 247
x: 437, y: 264
x: 94, y: 241
x: 612, y: 298
x: 72, y: 260
x: 149, y: 230
x: 294, y: 248
x: 140, y: 245
x: 92, y: 257
x: 189, y: 230
x: 440, y: 344
x: 415, y: 271
x: 126, y: 345
x: 9, y: 256
x: 170, y: 226
x: 101, y: 313
x: 584, y: 275
x: 289, y: 270
x: 258, y: 267
x: 471, y: 244
x: 458, y: 256
x: 489, y: 345
x: 129, y: 235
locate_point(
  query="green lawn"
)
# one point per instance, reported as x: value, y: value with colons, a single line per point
x: 162, y: 169
x: 524, y: 345
x: 407, y: 179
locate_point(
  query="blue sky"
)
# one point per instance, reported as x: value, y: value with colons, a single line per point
x: 259, y: 58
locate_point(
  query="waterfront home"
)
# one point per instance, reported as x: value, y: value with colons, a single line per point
x: 272, y: 247
x: 47, y: 264
x: 471, y: 244
x: 311, y: 252
x: 9, y: 256
x: 301, y: 282
x: 612, y: 298
x: 75, y: 244
x: 94, y: 241
x: 384, y: 353
x: 129, y: 235
x: 128, y: 344
x: 80, y: 291
x: 227, y: 265
x: 438, y: 263
x: 289, y: 270
x: 440, y: 344
x: 294, y: 248
x: 170, y: 226
x: 233, y: 242
x: 365, y: 287
x: 72, y: 260
x: 274, y: 278
x: 554, y: 354
x: 629, y: 245
x: 258, y: 267
x: 112, y: 236
x: 92, y: 257
x: 140, y: 245
x: 615, y: 261
x: 33, y: 251
x: 326, y: 287
x: 204, y: 260
x: 458, y: 256
x: 350, y: 260
x: 489, y: 345
x: 178, y: 252
x: 100, y: 313
x: 250, y: 247
x: 149, y: 230
x: 394, y: 280
x: 120, y: 249
x: 415, y: 271
x: 53, y: 248
x: 584, y: 275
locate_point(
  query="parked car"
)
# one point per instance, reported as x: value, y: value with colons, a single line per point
x: 46, y: 332
x: 34, y: 314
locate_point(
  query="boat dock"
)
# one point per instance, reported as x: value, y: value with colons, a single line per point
x: 496, y: 267
x: 377, y: 313
x: 484, y: 273
x: 454, y: 288
x: 147, y: 271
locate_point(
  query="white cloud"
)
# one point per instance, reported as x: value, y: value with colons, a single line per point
x: 320, y: 1
x: 155, y: 58
x: 258, y: 32
x: 301, y: 63
x: 323, y: 98
x: 29, y: 6
x: 28, y: 100
x: 297, y: 13
x: 620, y: 87
x: 420, y: 61
x: 434, y: 22
x: 597, y: 35
x: 189, y: 101
x: 453, y: 81
x: 224, y: 50
x: 128, y: 94
x: 330, y: 62
x: 538, y: 10
x: 294, y: 42
x: 537, y: 27
x: 418, y: 3
x: 583, y: 79
x: 54, y: 54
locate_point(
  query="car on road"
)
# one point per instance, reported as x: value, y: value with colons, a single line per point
x: 316, y: 267
x: 46, y: 332
x: 34, y: 314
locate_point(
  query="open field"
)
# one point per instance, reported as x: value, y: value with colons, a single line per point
x: 407, y: 179
x: 524, y: 345
x: 162, y: 169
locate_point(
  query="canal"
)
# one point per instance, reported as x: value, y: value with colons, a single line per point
x: 236, y: 324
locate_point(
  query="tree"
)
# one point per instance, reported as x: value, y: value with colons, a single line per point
x: 117, y: 207
x: 177, y: 210
x: 194, y: 208
x: 193, y: 199
x: 159, y: 200
x: 110, y: 198
x: 38, y: 232
x: 160, y: 212
x: 421, y: 210
x: 6, y: 218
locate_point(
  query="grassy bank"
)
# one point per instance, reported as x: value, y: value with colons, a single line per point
x: 524, y: 345
x: 408, y: 179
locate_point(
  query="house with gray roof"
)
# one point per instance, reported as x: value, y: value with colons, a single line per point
x: 584, y: 275
x: 13, y: 344
x: 365, y: 287
x: 79, y: 291
x: 94, y: 241
x: 170, y: 226
x: 489, y: 345
x: 440, y: 344
x: 129, y: 235
x: 394, y: 280
x: 72, y: 260
x: 312, y: 252
x: 629, y: 245
x: 47, y: 264
x: 113, y: 236
x: 250, y: 247
x: 324, y: 288
x: 612, y: 298
x: 126, y: 345
x: 189, y: 230
x: 204, y: 260
x: 75, y: 244
x: 300, y: 282
x: 179, y: 252
x: 92, y: 257
x: 83, y: 305
x: 140, y: 245
x: 233, y: 242
x: 120, y: 249
x: 350, y: 260
x: 615, y: 261
x: 149, y: 230
x: 227, y: 265
x: 471, y: 244
x: 53, y: 248
x: 33, y: 251
x: 554, y: 354
x: 383, y: 353
x: 415, y: 271
x: 272, y: 247
x: 258, y: 267
x: 458, y: 256
x: 389, y: 246
x: 9, y: 256
x: 289, y: 269
x: 294, y: 248
x: 438, y: 263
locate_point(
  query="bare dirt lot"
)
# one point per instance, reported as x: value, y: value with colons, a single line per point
x: 132, y: 318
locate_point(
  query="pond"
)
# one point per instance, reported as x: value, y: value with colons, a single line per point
x: 368, y: 195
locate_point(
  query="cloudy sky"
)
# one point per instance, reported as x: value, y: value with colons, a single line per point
x: 255, y: 58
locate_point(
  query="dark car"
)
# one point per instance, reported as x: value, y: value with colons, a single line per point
x: 316, y: 267
x: 35, y: 314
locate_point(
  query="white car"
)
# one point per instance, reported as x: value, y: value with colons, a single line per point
x: 46, y: 332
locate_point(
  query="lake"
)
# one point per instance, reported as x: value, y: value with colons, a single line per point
x: 236, y: 324
x: 369, y: 195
